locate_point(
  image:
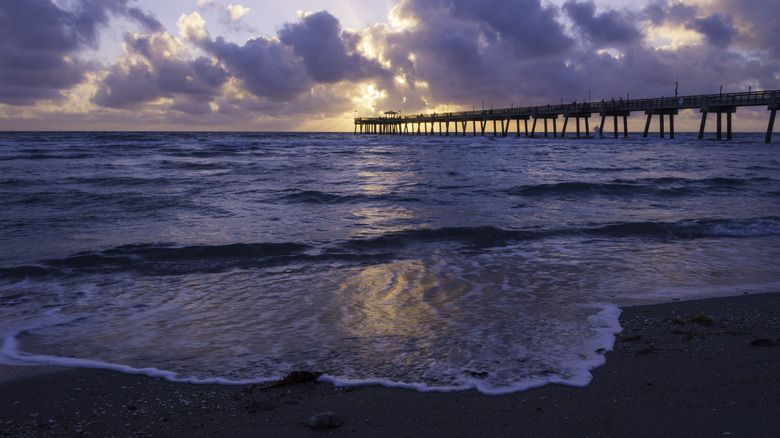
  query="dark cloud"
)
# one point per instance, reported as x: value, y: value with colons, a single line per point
x: 663, y: 11
x: 759, y: 25
x: 516, y: 51
x: 313, y: 51
x: 40, y: 42
x: 525, y: 25
x: 146, y: 20
x: 717, y: 28
x: 317, y: 40
x: 35, y: 38
x: 608, y: 29
x: 467, y: 51
x: 266, y: 68
x: 148, y: 73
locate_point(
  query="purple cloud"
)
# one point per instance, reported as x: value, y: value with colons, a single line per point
x: 317, y: 40
x: 41, y: 41
x: 528, y: 27
x: 160, y: 76
x: 717, y: 28
x: 267, y: 69
x: 608, y: 29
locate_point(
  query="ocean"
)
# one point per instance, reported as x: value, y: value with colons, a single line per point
x: 427, y: 262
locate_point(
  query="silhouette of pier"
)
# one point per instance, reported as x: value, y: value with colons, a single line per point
x: 392, y: 123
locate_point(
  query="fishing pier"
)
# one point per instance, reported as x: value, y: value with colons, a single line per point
x: 392, y: 123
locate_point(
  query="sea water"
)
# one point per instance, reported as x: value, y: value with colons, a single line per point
x: 429, y: 262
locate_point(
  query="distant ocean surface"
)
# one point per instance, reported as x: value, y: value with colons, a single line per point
x: 428, y: 262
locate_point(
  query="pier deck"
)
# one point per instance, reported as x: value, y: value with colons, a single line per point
x: 719, y: 104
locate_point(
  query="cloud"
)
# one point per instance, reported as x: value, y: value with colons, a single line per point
x: 464, y: 52
x: 662, y: 11
x: 230, y: 15
x: 152, y: 69
x: 518, y: 22
x: 608, y: 29
x: 757, y: 24
x: 317, y: 40
x: 41, y: 42
x: 267, y: 68
x: 237, y: 12
x: 214, y: 75
x: 717, y: 28
x: 192, y: 27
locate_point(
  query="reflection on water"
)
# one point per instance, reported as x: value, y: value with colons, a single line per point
x: 402, y: 299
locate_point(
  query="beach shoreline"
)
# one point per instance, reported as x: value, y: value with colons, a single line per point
x: 689, y: 368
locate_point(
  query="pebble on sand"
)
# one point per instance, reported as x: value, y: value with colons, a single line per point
x: 325, y: 419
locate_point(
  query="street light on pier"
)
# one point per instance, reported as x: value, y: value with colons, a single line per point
x: 676, y: 84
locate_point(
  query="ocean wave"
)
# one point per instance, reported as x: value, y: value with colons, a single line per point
x: 166, y: 258
x: 574, y: 188
x: 692, y: 229
x: 660, y: 187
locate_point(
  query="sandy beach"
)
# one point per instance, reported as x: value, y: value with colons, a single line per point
x: 701, y: 368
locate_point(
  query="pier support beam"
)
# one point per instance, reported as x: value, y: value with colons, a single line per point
x: 615, y: 115
x: 577, y: 114
x: 774, y: 105
x: 601, y: 125
x: 718, y: 110
x: 545, y: 117
x: 661, y: 113
x: 525, y: 120
x: 625, y: 126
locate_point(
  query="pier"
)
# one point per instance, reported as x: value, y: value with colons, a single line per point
x: 576, y: 114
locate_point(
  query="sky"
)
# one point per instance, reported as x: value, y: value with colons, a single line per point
x: 312, y: 65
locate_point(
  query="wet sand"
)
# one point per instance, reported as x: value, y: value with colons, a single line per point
x: 687, y: 369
